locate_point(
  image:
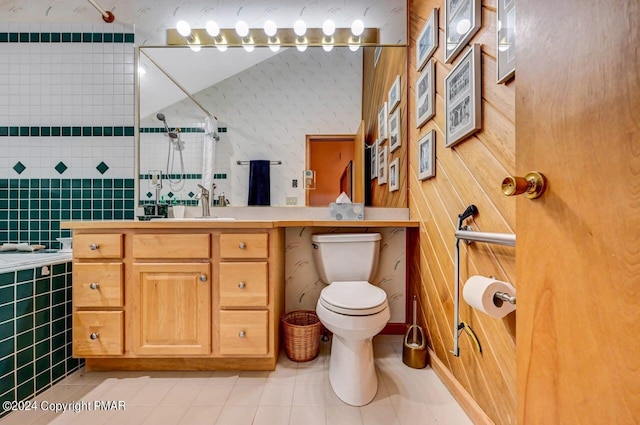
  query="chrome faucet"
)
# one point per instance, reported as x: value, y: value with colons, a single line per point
x: 204, y: 197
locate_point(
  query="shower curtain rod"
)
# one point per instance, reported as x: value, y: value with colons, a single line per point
x: 173, y: 80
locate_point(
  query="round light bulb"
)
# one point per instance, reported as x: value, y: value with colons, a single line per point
x: 221, y: 47
x: 327, y: 47
x: 248, y: 47
x: 270, y: 28
x: 299, y: 27
x: 328, y: 27
x: 301, y: 47
x: 274, y: 47
x: 354, y: 47
x: 357, y: 27
x: 195, y: 47
x: 463, y: 26
x: 184, y: 29
x: 213, y: 28
x: 242, y: 28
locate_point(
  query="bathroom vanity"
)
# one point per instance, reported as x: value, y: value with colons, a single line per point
x: 180, y: 295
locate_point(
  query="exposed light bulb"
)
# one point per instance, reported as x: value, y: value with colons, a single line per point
x: 270, y: 28
x: 328, y: 27
x: 213, y: 28
x: 357, y: 27
x: 221, y: 47
x: 301, y: 47
x: 354, y: 47
x: 248, y: 47
x: 274, y: 47
x: 195, y: 47
x: 299, y: 27
x: 327, y: 47
x: 242, y: 28
x: 184, y: 29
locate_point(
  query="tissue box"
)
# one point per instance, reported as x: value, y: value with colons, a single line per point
x: 346, y: 211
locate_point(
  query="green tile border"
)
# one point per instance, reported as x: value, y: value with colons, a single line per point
x: 66, y: 37
x: 66, y: 131
x: 182, y: 129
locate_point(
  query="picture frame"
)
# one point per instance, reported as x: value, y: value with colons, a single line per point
x: 427, y: 41
x: 394, y: 95
x: 425, y: 96
x: 376, y: 55
x: 374, y: 160
x: 394, y: 130
x: 462, y: 102
x: 394, y: 175
x: 506, y: 41
x: 463, y: 19
x: 383, y: 153
x: 382, y: 124
x: 427, y: 156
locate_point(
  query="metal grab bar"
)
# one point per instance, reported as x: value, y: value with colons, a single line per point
x: 508, y: 239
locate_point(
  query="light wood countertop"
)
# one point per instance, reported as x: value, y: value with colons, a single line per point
x: 231, y: 224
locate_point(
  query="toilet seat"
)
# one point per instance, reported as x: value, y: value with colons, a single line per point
x: 353, y: 298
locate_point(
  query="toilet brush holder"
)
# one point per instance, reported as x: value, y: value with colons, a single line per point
x: 414, y: 348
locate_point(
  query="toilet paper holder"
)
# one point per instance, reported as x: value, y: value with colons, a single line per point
x: 502, y: 297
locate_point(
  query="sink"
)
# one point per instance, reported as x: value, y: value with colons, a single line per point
x: 195, y: 219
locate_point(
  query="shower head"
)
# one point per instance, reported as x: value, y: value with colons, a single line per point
x: 470, y: 211
x: 161, y: 117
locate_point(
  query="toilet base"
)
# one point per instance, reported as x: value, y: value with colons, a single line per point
x: 352, y: 371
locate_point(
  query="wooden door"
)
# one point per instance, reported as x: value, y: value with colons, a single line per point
x: 578, y: 246
x: 174, y: 309
x: 327, y: 155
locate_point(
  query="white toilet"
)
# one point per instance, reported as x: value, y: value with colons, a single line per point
x: 352, y: 308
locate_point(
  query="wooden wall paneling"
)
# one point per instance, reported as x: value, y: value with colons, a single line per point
x: 471, y: 172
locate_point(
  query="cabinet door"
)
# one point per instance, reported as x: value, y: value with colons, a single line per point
x: 174, y: 309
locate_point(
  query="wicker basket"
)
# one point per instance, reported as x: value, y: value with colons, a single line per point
x: 302, y: 331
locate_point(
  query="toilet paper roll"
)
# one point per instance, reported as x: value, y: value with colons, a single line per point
x: 478, y: 293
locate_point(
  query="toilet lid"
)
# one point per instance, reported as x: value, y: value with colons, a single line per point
x: 354, y: 298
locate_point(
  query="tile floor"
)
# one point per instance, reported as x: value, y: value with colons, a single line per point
x: 295, y: 394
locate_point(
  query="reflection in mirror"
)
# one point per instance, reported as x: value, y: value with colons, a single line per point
x: 266, y: 103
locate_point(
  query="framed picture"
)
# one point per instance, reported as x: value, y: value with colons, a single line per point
x: 374, y: 160
x: 383, y: 153
x: 506, y: 65
x: 394, y: 130
x: 427, y: 156
x: 427, y: 42
x: 382, y: 124
x: 463, y: 19
x: 376, y: 55
x: 462, y: 101
x: 394, y: 94
x: 394, y: 175
x: 425, y: 97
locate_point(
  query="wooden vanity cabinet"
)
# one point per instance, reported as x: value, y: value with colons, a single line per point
x: 192, y: 298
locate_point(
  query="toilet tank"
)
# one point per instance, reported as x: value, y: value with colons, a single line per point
x: 346, y: 256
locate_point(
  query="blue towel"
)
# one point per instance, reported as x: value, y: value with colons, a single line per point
x: 259, y: 185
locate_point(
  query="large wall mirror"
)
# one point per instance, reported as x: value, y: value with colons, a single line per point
x: 266, y: 104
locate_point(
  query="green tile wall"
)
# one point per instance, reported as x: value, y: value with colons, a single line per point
x: 35, y: 331
x: 31, y: 209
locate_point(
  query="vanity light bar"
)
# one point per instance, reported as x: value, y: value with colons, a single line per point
x: 286, y: 37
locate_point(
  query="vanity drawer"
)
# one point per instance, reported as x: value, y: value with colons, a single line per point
x: 172, y: 246
x: 97, y: 246
x: 244, y: 245
x: 244, y: 284
x: 106, y: 328
x: 97, y: 284
x: 244, y: 332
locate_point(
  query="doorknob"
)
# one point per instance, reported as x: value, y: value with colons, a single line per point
x: 532, y: 185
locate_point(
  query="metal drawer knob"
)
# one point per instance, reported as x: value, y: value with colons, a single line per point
x: 94, y: 246
x: 242, y: 245
x: 203, y: 278
x: 242, y: 334
x: 94, y: 335
x: 94, y: 285
x: 241, y: 285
